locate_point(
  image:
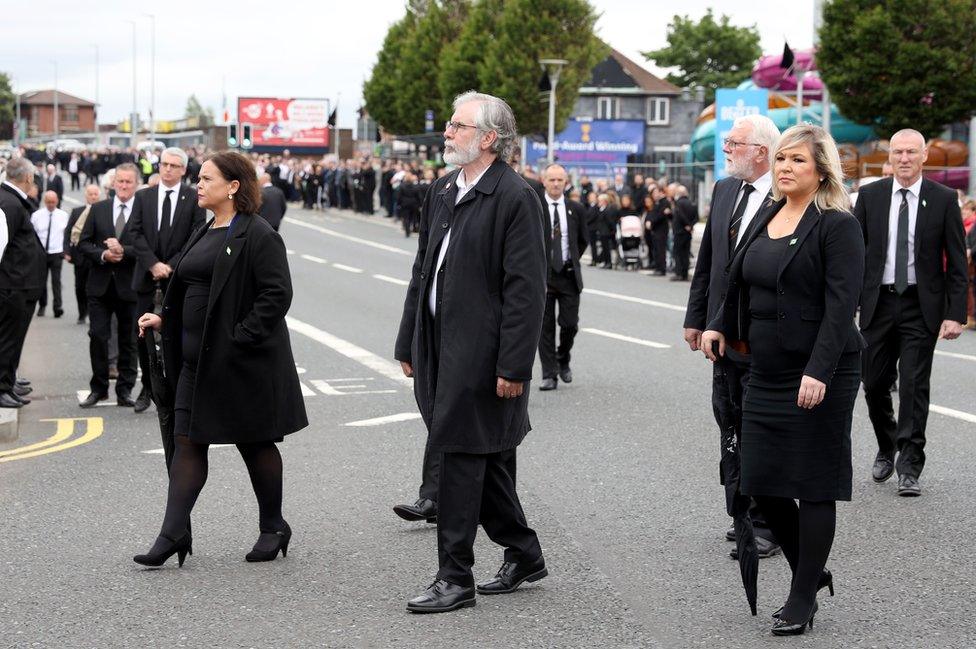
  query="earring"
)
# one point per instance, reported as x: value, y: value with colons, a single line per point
x: 230, y: 197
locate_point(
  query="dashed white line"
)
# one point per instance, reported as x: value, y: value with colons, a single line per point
x: 348, y: 237
x: 626, y: 339
x: 392, y: 280
x: 389, y: 419
x: 949, y: 412
x: 965, y: 357
x: 348, y: 269
x: 637, y: 300
x: 317, y: 260
x: 289, y: 251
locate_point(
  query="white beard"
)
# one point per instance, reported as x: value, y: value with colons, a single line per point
x: 457, y: 156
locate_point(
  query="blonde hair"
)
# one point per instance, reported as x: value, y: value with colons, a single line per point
x: 831, y: 193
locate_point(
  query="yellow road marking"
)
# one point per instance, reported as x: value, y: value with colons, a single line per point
x: 55, y: 443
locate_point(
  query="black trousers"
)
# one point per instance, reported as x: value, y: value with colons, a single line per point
x: 430, y: 480
x: 16, y: 312
x: 562, y: 290
x: 682, y: 253
x: 81, y: 294
x: 606, y: 243
x: 659, y: 240
x: 900, y: 347
x: 480, y: 489
x: 75, y: 181
x: 54, y: 262
x: 593, y: 237
x: 100, y: 312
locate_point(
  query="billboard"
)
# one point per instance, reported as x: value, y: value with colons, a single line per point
x: 730, y: 104
x: 597, y: 141
x: 275, y: 122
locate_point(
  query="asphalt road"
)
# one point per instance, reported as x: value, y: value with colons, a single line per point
x: 619, y: 478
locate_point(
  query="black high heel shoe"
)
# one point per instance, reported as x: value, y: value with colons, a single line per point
x: 826, y: 581
x: 280, y: 543
x: 164, y: 548
x: 786, y: 627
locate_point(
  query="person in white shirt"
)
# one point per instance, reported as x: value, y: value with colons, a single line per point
x: 49, y: 222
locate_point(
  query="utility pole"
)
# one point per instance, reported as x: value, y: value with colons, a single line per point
x: 552, y: 67
x: 18, y: 136
x: 134, y: 117
x: 152, y: 85
x: 96, y: 86
x: 818, y: 6
x: 57, y: 120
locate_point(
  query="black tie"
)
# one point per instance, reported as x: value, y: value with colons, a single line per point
x: 740, y: 209
x: 556, y: 258
x: 901, y: 245
x: 120, y: 221
x: 164, y: 226
x: 50, y: 224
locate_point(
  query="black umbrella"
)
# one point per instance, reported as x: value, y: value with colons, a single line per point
x: 161, y: 394
x: 737, y: 506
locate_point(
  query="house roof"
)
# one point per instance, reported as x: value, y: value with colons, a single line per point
x: 619, y: 72
x: 46, y: 98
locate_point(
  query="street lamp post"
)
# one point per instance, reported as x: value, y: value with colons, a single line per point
x: 552, y: 67
x: 57, y: 121
x: 96, y: 87
x: 133, y: 118
x: 152, y: 86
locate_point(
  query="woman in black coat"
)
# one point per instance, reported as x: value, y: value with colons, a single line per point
x: 793, y: 289
x: 228, y: 356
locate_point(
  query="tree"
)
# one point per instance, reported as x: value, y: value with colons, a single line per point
x: 900, y: 63
x: 708, y: 53
x: 380, y: 90
x: 195, y: 109
x: 8, y: 102
x: 461, y: 58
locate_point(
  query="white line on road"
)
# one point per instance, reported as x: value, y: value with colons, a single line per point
x: 965, y: 357
x: 378, y: 364
x: 317, y: 260
x: 347, y: 237
x: 289, y: 251
x: 71, y: 200
x: 949, y: 412
x: 392, y: 280
x: 159, y: 451
x: 389, y: 419
x: 348, y: 269
x: 637, y: 300
x: 306, y: 391
x: 626, y: 339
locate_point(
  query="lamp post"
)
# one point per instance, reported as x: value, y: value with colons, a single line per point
x: 57, y: 121
x: 152, y: 86
x: 552, y: 67
x: 134, y: 117
x: 96, y: 86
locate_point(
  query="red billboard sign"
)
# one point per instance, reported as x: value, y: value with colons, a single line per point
x: 285, y: 122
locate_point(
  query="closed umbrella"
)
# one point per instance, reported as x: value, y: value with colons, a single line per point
x: 737, y: 507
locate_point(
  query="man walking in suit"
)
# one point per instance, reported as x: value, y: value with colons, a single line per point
x: 682, y: 226
x: 163, y: 218
x: 107, y: 242
x: 273, y: 203
x: 52, y: 182
x: 72, y: 235
x: 564, y: 228
x: 914, y: 293
x: 736, y: 200
x: 49, y: 222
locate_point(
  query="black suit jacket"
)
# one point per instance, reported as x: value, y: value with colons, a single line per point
x: 576, y: 222
x: 186, y: 217
x: 24, y: 265
x: 819, y: 282
x: 273, y: 205
x: 55, y: 185
x: 99, y: 227
x: 77, y: 257
x: 940, y: 251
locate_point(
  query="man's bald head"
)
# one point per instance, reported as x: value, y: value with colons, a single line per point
x: 907, y: 153
x: 264, y: 179
x: 92, y: 194
x: 555, y: 180
x: 50, y: 200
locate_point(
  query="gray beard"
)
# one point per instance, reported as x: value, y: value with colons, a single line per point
x: 461, y: 157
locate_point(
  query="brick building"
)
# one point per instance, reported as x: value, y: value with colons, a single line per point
x: 76, y: 115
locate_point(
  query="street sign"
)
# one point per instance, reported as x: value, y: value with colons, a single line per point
x: 429, y: 121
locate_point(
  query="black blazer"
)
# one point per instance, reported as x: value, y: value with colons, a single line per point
x: 273, y: 205
x: 576, y: 222
x: 186, y: 217
x: 247, y: 387
x: 77, y: 257
x: 819, y: 283
x: 55, y: 185
x: 940, y: 251
x: 99, y: 227
x: 685, y: 215
x: 24, y: 264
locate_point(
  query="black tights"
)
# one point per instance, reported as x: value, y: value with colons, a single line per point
x: 805, y: 533
x: 188, y: 474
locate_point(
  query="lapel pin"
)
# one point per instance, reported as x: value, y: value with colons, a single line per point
x: 228, y: 250
x: 792, y: 241
x: 447, y: 186
x: 924, y: 204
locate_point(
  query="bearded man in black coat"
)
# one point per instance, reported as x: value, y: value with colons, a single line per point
x: 471, y: 323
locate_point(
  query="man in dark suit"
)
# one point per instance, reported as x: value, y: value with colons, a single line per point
x: 564, y: 227
x: 52, y: 182
x: 108, y: 243
x: 682, y: 227
x: 73, y: 255
x: 23, y: 274
x: 914, y: 293
x: 273, y: 203
x: 736, y: 200
x: 163, y: 218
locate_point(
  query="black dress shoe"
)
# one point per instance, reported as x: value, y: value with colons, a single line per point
x: 22, y: 400
x: 80, y: 320
x: 8, y: 400
x: 22, y: 390
x: 764, y: 547
x: 268, y: 544
x: 789, y: 627
x: 511, y: 575
x: 164, y: 548
x: 142, y: 403
x: 908, y: 486
x: 23, y: 382
x: 58, y: 313
x: 548, y: 384
x: 826, y: 581
x: 441, y: 597
x: 883, y: 468
x: 730, y: 533
x: 40, y: 312
x: 422, y: 510
x: 565, y: 374
x: 92, y: 399
x: 124, y: 399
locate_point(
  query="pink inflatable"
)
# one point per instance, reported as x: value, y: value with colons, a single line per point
x: 767, y: 74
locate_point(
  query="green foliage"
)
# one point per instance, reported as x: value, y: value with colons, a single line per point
x: 195, y: 109
x: 380, y: 91
x: 8, y: 103
x: 460, y: 59
x: 900, y: 63
x: 708, y: 53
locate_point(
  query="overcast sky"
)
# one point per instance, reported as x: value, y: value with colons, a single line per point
x: 291, y: 48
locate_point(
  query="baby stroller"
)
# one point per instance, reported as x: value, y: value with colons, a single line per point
x: 630, y: 242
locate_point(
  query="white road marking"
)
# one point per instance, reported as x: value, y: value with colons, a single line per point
x: 637, y: 300
x: 389, y: 419
x: 306, y: 391
x: 317, y: 260
x: 83, y: 394
x: 626, y: 339
x: 289, y: 251
x: 392, y: 280
x: 347, y: 388
x: 348, y: 237
x: 389, y: 369
x: 965, y: 357
x: 159, y: 451
x: 348, y: 269
x: 949, y: 412
x: 71, y: 200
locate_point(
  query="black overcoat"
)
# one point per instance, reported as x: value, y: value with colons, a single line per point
x: 490, y: 306
x: 247, y: 387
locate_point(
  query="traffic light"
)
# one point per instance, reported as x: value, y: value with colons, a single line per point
x: 232, y: 136
x: 246, y: 136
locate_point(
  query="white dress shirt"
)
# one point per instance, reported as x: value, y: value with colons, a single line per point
x: 463, y: 188
x: 3, y: 233
x: 56, y: 221
x: 172, y: 203
x: 756, y: 199
x: 889, y: 268
x: 563, y: 222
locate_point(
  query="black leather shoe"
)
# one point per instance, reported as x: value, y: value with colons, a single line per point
x: 730, y: 533
x: 882, y: 469
x: 23, y: 382
x: 80, y: 320
x: 58, y: 313
x: 441, y: 597
x: 164, y: 548
x: 8, y: 400
x: 142, y: 403
x: 548, y: 384
x: 124, y: 399
x: 268, y: 544
x: 826, y: 581
x: 788, y: 627
x: 40, y: 312
x: 422, y: 510
x: 22, y: 390
x: 511, y: 575
x: 92, y: 399
x: 565, y: 374
x: 765, y: 548
x: 908, y: 486
x: 23, y: 400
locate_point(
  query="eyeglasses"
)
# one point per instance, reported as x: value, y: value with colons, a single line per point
x: 170, y: 165
x: 456, y: 126
x: 730, y: 144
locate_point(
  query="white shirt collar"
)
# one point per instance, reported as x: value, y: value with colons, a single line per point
x: 913, y: 189
x: 561, y: 201
x: 163, y: 188
x: 463, y: 184
x: 763, y: 184
x: 17, y: 189
x: 128, y: 205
